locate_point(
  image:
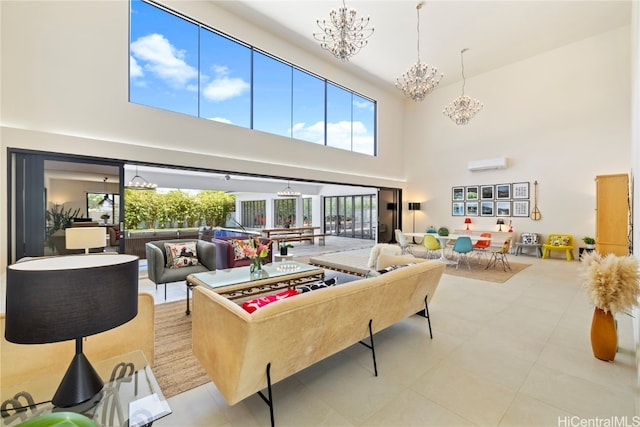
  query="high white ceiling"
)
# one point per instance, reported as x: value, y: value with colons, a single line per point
x: 497, y: 33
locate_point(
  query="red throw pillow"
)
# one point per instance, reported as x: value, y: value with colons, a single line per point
x: 254, y: 304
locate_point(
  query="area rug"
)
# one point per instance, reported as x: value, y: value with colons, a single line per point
x: 494, y: 274
x: 355, y: 262
x: 175, y: 367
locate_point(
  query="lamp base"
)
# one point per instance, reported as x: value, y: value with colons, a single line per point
x: 84, y: 408
x: 80, y: 383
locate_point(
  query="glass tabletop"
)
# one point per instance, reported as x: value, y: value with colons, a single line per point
x: 239, y: 275
x: 130, y: 396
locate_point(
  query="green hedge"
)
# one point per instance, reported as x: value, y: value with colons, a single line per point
x: 148, y: 209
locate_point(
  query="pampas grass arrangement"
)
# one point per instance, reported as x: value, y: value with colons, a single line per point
x: 612, y: 282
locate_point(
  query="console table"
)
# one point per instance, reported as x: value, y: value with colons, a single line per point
x: 130, y: 396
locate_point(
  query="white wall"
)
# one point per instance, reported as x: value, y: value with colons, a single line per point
x: 64, y: 80
x: 68, y: 68
x: 560, y: 118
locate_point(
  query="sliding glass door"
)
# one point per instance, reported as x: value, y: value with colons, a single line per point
x: 351, y: 216
x: 48, y: 191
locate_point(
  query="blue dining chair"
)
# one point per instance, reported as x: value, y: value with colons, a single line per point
x: 462, y: 248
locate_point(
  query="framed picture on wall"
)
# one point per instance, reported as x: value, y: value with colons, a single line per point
x: 520, y: 190
x: 457, y: 193
x: 486, y: 209
x: 457, y: 209
x: 472, y: 192
x: 472, y: 208
x: 503, y: 192
x: 520, y: 208
x: 503, y: 208
x: 486, y: 192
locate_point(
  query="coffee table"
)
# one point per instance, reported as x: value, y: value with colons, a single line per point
x: 239, y: 282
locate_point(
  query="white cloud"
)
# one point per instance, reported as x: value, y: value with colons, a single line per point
x: 134, y: 69
x: 221, y: 120
x: 339, y: 135
x: 161, y: 58
x: 363, y: 105
x: 224, y: 87
x: 313, y: 133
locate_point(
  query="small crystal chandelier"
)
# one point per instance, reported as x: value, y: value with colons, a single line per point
x: 139, y: 183
x: 463, y: 108
x: 344, y: 35
x: 289, y: 192
x: 419, y: 81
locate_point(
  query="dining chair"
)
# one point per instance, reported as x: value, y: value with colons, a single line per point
x: 431, y: 244
x: 461, y: 248
x: 404, y: 244
x: 501, y: 256
x: 481, y: 247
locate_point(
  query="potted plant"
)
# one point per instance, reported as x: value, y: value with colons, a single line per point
x: 443, y: 231
x: 284, y: 248
x: 613, y: 285
x: 58, y: 218
x: 590, y: 242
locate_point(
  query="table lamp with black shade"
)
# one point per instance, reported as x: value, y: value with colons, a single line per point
x: 500, y: 222
x: 414, y: 206
x: 62, y: 298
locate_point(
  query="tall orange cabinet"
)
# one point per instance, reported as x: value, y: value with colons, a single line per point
x: 612, y: 214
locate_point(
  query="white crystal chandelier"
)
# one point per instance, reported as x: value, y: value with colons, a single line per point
x: 419, y: 80
x: 343, y: 35
x: 463, y: 108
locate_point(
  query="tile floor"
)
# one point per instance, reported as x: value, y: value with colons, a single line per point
x: 510, y: 354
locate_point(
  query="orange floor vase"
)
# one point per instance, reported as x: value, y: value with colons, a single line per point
x: 604, y: 337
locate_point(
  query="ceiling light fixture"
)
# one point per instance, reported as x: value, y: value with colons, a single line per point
x: 419, y: 80
x: 343, y: 35
x: 106, y: 203
x: 139, y: 183
x: 289, y: 192
x: 463, y: 108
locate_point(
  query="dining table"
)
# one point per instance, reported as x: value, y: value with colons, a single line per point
x: 444, y: 240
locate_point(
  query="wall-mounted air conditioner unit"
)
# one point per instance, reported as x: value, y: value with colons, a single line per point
x: 480, y: 165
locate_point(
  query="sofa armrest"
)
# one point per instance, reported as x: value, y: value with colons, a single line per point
x: 155, y: 262
x: 387, y: 260
x: 224, y: 253
x: 206, y: 254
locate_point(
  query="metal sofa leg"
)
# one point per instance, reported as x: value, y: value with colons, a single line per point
x: 269, y: 400
x: 425, y: 313
x: 372, y: 348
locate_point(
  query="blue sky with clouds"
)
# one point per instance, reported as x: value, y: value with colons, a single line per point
x: 169, y: 69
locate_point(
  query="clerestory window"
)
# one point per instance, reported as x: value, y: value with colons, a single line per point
x: 181, y: 65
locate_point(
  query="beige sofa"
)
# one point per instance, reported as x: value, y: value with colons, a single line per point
x: 239, y: 350
x: 20, y: 363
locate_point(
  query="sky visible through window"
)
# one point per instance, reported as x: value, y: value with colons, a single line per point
x: 177, y: 65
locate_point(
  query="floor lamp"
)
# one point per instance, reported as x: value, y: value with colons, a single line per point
x: 392, y: 207
x: 414, y: 206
